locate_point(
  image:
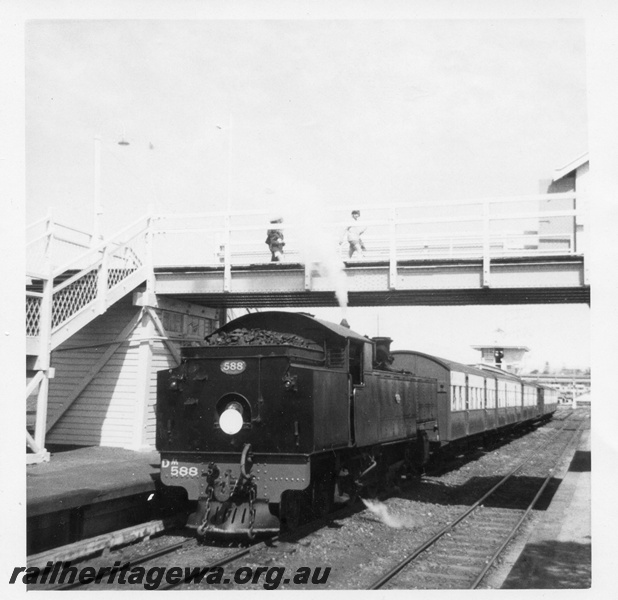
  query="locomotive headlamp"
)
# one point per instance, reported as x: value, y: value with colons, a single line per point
x: 231, y: 420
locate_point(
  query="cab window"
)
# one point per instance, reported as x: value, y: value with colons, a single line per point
x: 356, y: 365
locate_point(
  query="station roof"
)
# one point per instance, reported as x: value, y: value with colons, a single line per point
x: 501, y: 346
x: 570, y: 166
x: 498, y: 371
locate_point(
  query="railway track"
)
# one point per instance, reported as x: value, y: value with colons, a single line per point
x: 262, y: 551
x: 120, y: 565
x: 460, y: 555
x: 187, y: 552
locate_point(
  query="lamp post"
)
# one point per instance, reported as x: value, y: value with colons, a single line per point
x: 98, y: 207
x: 227, y: 266
x: 229, y: 163
x: 97, y: 234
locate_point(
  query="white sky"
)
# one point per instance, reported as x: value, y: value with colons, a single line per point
x: 358, y: 111
x: 363, y: 110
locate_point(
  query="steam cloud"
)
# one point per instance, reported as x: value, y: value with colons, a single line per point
x: 310, y: 228
x: 380, y: 510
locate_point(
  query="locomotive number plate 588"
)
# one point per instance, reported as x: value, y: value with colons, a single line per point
x: 233, y: 367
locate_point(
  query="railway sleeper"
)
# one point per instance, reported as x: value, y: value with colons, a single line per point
x: 465, y: 559
x: 425, y: 578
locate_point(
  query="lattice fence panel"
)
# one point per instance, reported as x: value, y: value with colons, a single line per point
x: 33, y: 315
x: 72, y: 298
x: 122, y: 263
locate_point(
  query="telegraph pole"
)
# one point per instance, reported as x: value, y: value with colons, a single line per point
x: 98, y: 207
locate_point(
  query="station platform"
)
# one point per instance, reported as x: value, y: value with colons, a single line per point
x: 89, y: 491
x: 558, y: 554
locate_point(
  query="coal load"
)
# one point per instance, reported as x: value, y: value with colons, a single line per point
x: 258, y: 337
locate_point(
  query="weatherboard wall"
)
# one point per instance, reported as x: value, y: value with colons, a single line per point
x: 117, y: 406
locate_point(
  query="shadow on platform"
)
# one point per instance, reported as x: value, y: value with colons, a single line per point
x: 552, y: 565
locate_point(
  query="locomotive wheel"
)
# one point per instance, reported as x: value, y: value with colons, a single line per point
x: 323, y: 492
x: 422, y: 454
x: 293, y: 509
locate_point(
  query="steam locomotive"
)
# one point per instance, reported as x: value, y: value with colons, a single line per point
x: 278, y: 415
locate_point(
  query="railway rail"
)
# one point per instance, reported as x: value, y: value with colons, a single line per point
x: 460, y: 555
x: 270, y: 543
x: 209, y: 557
x: 452, y: 558
x: 139, y: 560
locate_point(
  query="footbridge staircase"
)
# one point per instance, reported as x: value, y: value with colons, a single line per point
x: 70, y: 280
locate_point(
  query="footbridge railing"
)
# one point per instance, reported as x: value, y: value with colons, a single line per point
x: 486, y: 229
x: 81, y: 287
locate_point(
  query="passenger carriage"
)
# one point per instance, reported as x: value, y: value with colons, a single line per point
x: 474, y: 400
x: 468, y: 398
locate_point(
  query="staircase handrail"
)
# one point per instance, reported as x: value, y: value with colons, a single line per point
x: 35, y: 223
x: 101, y: 246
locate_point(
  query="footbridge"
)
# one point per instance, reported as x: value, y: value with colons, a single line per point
x: 492, y: 251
